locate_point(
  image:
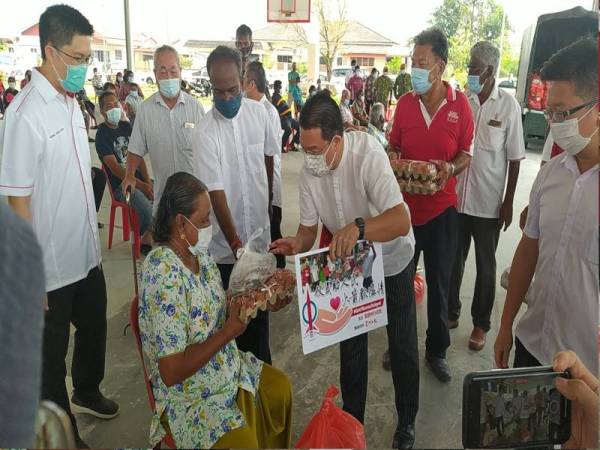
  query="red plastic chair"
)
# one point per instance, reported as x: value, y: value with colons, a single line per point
x: 135, y: 328
x: 135, y: 223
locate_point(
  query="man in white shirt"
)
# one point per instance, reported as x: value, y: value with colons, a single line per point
x: 255, y: 86
x: 560, y: 240
x: 235, y: 147
x: 348, y: 184
x: 45, y: 171
x: 484, y: 206
x: 165, y: 127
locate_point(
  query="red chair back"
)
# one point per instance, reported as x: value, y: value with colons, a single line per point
x: 110, y: 189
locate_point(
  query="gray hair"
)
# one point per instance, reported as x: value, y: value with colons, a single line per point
x: 165, y: 49
x: 487, y: 53
x: 377, y: 111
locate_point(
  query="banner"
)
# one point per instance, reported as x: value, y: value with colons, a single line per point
x: 338, y: 300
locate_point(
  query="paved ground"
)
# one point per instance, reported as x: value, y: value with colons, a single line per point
x: 439, y: 419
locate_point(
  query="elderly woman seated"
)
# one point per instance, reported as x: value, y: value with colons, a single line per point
x: 347, y: 117
x: 208, y: 393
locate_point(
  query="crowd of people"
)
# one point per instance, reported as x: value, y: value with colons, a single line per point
x: 216, y: 181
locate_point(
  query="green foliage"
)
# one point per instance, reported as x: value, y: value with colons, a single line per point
x: 394, y: 64
x: 302, y: 68
x: 186, y: 62
x: 267, y: 61
x: 3, y: 47
x: 510, y: 63
x: 467, y: 22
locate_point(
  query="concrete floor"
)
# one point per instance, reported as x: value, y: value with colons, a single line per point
x: 439, y: 419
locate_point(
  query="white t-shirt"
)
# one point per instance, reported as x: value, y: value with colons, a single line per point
x: 498, y: 139
x: 44, y: 153
x: 363, y: 185
x: 231, y: 155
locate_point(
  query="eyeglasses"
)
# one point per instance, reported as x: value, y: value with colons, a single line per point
x: 87, y: 61
x: 561, y: 116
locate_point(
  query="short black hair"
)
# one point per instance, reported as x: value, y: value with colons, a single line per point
x: 437, y: 39
x: 374, y: 70
x: 179, y: 196
x: 255, y: 71
x: 312, y: 88
x: 243, y: 30
x: 353, y: 62
x: 577, y: 63
x: 103, y: 97
x: 135, y: 85
x: 224, y: 52
x: 59, y: 23
x: 321, y: 111
x: 107, y: 85
x: 11, y: 80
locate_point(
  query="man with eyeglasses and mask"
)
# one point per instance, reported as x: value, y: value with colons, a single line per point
x: 243, y: 42
x: 559, y: 246
x: 165, y: 127
x: 46, y: 175
x: 434, y: 123
x: 347, y: 183
x: 236, y: 145
x: 483, y: 205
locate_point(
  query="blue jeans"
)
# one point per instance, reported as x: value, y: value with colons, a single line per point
x: 141, y: 205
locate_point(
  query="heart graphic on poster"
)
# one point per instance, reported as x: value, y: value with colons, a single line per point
x: 335, y: 303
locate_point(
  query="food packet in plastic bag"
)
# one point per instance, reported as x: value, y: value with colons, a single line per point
x: 252, y: 267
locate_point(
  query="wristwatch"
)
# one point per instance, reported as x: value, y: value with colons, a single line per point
x: 360, y: 223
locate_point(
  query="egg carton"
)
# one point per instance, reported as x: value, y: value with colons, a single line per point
x: 414, y: 170
x: 282, y: 285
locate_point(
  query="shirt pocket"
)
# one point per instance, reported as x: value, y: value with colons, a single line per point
x: 592, y: 255
x: 189, y: 134
x: 492, y: 138
x: 256, y: 158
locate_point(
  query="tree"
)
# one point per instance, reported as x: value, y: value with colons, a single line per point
x: 333, y: 24
x: 466, y: 22
x: 186, y: 62
x: 393, y: 64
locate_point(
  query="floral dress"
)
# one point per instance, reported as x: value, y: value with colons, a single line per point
x: 178, y: 308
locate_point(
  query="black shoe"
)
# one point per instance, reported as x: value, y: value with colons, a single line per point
x: 440, y: 368
x: 387, y: 364
x: 79, y: 443
x: 404, y: 437
x: 145, y: 249
x: 100, y: 407
x: 452, y: 324
x: 91, y: 140
x: 100, y: 225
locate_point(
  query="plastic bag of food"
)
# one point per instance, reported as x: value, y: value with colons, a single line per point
x: 252, y: 267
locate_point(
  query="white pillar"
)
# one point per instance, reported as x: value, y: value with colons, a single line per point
x: 312, y: 30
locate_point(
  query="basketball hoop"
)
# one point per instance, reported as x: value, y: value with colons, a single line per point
x: 288, y: 11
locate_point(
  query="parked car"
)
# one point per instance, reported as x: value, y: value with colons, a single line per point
x: 338, y: 78
x: 508, y: 85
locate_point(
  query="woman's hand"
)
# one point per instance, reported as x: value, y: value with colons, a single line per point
x: 234, y: 326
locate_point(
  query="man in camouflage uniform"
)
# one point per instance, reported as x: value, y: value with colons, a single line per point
x: 403, y: 83
x: 383, y: 89
x: 370, y: 89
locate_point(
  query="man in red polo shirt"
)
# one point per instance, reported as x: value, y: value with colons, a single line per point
x: 434, y: 123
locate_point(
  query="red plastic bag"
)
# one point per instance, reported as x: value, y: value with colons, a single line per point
x: 332, y: 427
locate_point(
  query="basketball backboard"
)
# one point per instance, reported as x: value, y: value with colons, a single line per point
x: 288, y: 11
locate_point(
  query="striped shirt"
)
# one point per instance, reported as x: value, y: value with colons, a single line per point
x: 282, y: 107
x: 167, y: 135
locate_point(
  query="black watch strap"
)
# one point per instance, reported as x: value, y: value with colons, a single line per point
x: 360, y: 223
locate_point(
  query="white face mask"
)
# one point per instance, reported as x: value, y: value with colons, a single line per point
x: 566, y: 135
x: 204, y: 239
x: 317, y: 165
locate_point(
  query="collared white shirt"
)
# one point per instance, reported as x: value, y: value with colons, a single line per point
x: 231, y: 155
x: 167, y: 134
x: 273, y: 116
x: 363, y: 185
x: 498, y: 140
x: 44, y: 154
x: 562, y: 311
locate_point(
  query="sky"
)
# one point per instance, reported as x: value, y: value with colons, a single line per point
x: 218, y: 19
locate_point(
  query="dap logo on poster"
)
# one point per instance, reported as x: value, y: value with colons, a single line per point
x: 340, y: 299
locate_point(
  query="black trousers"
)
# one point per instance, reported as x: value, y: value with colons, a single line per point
x: 522, y: 356
x: 288, y: 124
x: 276, y: 233
x: 437, y: 240
x: 98, y: 185
x: 256, y: 337
x: 82, y: 304
x: 485, y: 233
x: 404, y: 353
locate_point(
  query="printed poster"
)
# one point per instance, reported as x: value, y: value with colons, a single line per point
x: 342, y: 299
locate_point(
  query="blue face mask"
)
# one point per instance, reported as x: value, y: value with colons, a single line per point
x: 134, y: 93
x: 114, y: 115
x: 169, y: 88
x: 474, y: 84
x: 420, y: 80
x: 75, y: 78
x: 229, y: 108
